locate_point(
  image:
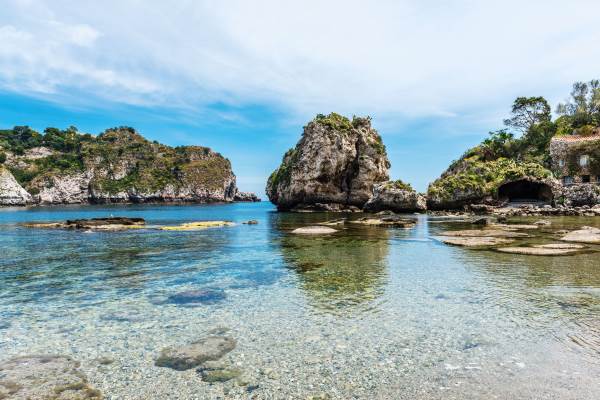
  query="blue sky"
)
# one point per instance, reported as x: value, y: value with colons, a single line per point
x: 244, y: 77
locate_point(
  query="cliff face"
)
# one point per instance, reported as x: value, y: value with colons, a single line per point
x: 11, y: 193
x: 119, y: 165
x: 336, y: 162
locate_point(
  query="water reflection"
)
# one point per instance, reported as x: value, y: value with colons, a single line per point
x: 340, y: 273
x: 559, y: 295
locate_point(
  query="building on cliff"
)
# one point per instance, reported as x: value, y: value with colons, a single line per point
x: 576, y: 158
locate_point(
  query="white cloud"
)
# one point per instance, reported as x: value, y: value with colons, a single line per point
x: 388, y: 58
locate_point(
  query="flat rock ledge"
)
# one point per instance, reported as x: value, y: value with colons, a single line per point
x: 210, y: 348
x: 390, y: 222
x: 195, y: 226
x: 314, y: 230
x: 98, y: 224
x: 537, y: 251
x: 473, y: 241
x: 560, y: 246
x: 587, y: 234
x: 479, y: 233
x: 50, y: 377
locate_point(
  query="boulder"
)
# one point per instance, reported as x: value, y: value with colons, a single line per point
x: 186, y: 357
x: 395, y: 196
x: 11, y: 193
x: 336, y: 161
x: 246, y: 196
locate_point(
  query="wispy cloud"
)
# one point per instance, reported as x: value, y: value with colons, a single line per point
x: 389, y: 58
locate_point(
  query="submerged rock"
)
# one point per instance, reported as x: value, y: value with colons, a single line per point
x: 395, y: 196
x: 197, y: 297
x: 585, y: 235
x: 559, y: 246
x: 497, y: 233
x: 186, y: 357
x: 390, y: 222
x: 473, y: 241
x: 213, y: 372
x: 314, y: 230
x: 251, y: 222
x: 44, y: 377
x: 537, y: 251
x: 336, y: 161
x: 194, y: 226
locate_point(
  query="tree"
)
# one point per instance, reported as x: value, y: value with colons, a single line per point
x: 528, y: 112
x: 583, y: 108
x: 500, y: 144
x: 2, y: 157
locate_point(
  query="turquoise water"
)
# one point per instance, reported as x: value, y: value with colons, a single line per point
x: 365, y: 313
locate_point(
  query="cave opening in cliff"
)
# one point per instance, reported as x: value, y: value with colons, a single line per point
x: 525, y: 191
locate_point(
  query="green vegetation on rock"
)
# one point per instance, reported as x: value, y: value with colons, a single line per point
x: 474, y: 179
x: 522, y: 149
x: 121, y: 160
x: 399, y: 184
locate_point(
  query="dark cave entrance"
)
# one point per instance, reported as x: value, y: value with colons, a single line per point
x: 525, y: 191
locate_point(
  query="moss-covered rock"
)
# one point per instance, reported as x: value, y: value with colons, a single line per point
x: 471, y: 181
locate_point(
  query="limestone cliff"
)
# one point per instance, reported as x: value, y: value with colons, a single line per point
x: 335, y: 164
x: 119, y: 165
x: 11, y: 193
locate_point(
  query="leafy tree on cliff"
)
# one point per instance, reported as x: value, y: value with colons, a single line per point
x: 527, y: 112
x: 582, y: 110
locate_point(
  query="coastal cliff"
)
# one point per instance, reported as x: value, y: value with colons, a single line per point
x: 334, y: 166
x: 117, y: 166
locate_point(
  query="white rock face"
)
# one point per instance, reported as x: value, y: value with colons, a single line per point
x: 66, y: 189
x: 11, y: 193
x: 388, y: 196
x: 330, y: 165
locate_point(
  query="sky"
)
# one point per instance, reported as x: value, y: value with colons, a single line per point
x: 244, y: 77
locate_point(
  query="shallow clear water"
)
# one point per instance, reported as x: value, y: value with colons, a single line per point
x: 365, y: 313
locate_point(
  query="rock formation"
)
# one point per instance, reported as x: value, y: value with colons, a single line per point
x: 470, y: 181
x: 395, y: 196
x: 11, y: 193
x: 117, y: 166
x: 334, y: 166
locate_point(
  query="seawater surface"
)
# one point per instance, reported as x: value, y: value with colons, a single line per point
x: 367, y: 313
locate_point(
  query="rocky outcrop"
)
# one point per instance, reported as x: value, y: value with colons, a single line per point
x: 11, y: 193
x: 118, y: 166
x: 470, y: 181
x: 335, y: 164
x: 246, y: 196
x: 395, y: 196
